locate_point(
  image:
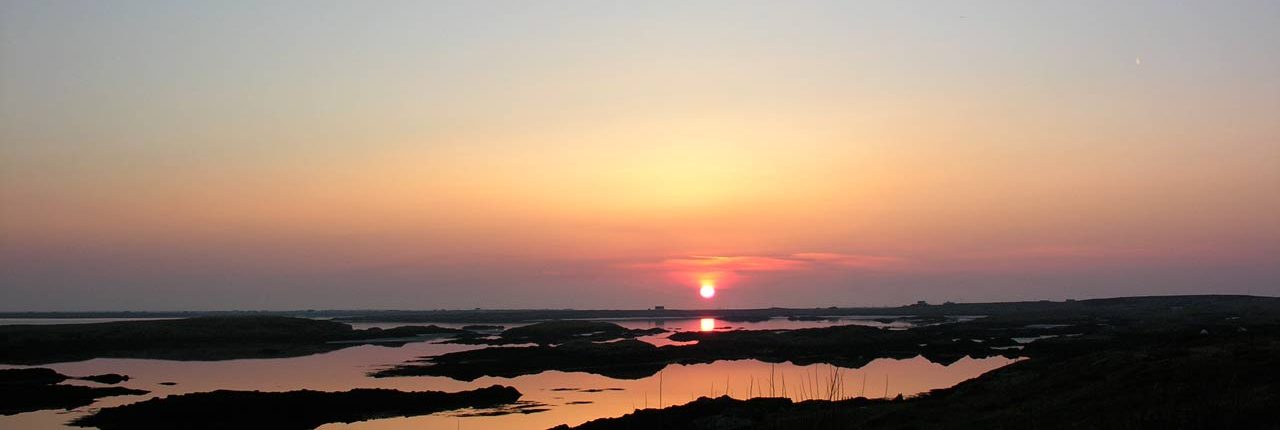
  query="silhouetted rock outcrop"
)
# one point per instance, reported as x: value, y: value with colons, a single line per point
x: 27, y: 390
x: 108, y: 378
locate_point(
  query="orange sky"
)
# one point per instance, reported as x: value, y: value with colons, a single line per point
x: 575, y: 154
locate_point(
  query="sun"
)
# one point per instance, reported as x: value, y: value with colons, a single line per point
x: 707, y: 324
x: 708, y: 290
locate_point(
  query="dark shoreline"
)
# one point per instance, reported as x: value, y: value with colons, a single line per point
x: 35, y: 389
x: 1206, y: 364
x: 1077, y: 324
x: 202, y: 339
x: 1183, y: 380
x: 845, y: 346
x: 1172, y: 362
x: 533, y: 315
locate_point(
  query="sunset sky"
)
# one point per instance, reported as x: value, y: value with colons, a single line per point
x: 160, y: 155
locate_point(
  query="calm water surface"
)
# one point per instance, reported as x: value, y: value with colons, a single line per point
x: 571, y: 398
x: 678, y: 324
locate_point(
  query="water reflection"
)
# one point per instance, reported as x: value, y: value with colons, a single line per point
x: 699, y: 324
x: 681, y: 324
x: 579, y: 397
x: 572, y: 398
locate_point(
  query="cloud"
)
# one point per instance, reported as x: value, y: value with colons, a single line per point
x: 769, y: 263
x: 1058, y: 251
x: 848, y: 260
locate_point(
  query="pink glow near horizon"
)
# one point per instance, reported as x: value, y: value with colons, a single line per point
x: 794, y: 154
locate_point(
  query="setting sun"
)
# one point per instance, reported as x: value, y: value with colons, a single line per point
x: 308, y: 197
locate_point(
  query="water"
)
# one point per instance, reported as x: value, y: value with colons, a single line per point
x: 686, y: 324
x: 345, y: 369
x: 701, y: 324
x: 692, y: 324
x: 683, y: 383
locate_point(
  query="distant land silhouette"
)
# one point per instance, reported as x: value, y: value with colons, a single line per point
x: 1134, y: 362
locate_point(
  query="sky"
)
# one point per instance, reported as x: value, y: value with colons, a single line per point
x: 160, y: 155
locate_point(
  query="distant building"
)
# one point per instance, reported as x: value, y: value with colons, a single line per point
x: 659, y: 308
x: 922, y: 303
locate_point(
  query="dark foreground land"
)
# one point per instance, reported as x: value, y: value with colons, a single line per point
x: 1193, y: 362
x: 1137, y: 363
x: 1075, y: 326
x: 26, y: 390
x: 846, y: 346
x: 292, y: 410
x: 1221, y: 380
